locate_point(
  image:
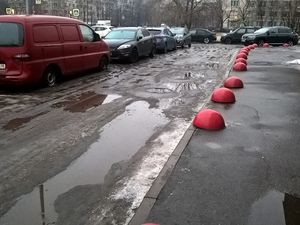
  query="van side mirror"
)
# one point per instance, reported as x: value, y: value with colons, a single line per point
x: 96, y: 37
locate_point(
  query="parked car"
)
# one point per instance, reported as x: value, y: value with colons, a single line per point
x: 236, y: 35
x: 182, y: 36
x: 164, y: 38
x: 203, y: 35
x: 43, y: 48
x: 273, y: 35
x: 102, y: 30
x: 130, y: 43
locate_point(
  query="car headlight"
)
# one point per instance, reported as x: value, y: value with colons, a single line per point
x: 124, y: 46
x: 179, y: 38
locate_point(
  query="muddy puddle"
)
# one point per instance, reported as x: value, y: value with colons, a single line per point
x: 275, y: 208
x: 85, y: 101
x: 18, y: 123
x: 119, y: 140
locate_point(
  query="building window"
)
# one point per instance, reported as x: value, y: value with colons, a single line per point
x: 235, y: 3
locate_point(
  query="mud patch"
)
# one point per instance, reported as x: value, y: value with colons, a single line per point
x: 85, y: 101
x: 17, y: 123
x: 159, y: 90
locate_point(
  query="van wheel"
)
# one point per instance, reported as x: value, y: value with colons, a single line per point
x: 103, y: 64
x: 50, y: 77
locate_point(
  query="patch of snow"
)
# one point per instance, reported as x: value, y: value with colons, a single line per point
x: 296, y: 61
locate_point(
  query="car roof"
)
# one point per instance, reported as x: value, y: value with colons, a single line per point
x: 127, y: 28
x: 155, y: 28
x: 38, y: 18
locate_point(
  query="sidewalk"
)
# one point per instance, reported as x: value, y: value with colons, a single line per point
x: 248, y: 173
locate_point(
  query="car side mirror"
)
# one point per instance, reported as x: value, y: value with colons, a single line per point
x: 268, y: 33
x: 139, y: 38
x: 96, y: 37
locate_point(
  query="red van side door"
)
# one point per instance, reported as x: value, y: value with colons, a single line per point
x: 91, y: 49
x: 72, y: 49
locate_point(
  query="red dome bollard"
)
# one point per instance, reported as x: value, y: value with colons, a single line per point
x: 223, y: 95
x: 266, y: 45
x: 244, y: 51
x: 242, y: 55
x: 255, y: 45
x: 241, y: 60
x: 209, y: 119
x: 240, y: 67
x: 233, y: 82
x: 251, y: 46
x: 286, y: 45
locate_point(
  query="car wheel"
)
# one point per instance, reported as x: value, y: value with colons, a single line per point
x: 103, y: 64
x: 206, y: 40
x: 261, y: 43
x: 50, y: 77
x: 228, y: 41
x: 291, y: 43
x: 134, y: 57
x: 151, y: 55
x: 190, y: 44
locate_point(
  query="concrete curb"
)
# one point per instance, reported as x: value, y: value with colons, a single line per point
x: 152, y: 195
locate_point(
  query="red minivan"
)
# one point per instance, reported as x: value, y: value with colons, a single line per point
x: 36, y: 49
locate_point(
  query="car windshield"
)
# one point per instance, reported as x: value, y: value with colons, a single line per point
x: 262, y: 30
x: 177, y: 30
x: 121, y: 34
x: 11, y: 34
x: 154, y: 32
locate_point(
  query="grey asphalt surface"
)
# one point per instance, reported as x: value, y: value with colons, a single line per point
x: 248, y: 173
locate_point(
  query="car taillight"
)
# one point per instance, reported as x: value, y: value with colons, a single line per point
x: 23, y: 56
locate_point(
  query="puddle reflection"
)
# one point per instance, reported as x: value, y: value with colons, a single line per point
x: 115, y: 144
x: 275, y: 208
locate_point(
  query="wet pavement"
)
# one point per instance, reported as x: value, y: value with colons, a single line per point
x: 247, y: 173
x: 83, y: 152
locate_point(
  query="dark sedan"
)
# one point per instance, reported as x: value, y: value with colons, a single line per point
x: 203, y: 35
x: 130, y: 43
x: 165, y: 40
x: 182, y: 36
x: 273, y: 35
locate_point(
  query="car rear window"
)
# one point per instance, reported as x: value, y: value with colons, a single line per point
x: 121, y: 34
x: 11, y: 34
x: 154, y: 32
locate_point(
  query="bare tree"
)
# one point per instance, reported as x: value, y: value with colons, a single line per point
x: 290, y: 14
x: 186, y: 10
x: 243, y: 11
x: 223, y: 11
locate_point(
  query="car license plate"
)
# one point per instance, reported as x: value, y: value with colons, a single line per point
x: 2, y: 66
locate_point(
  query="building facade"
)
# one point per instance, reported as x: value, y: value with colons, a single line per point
x: 261, y: 13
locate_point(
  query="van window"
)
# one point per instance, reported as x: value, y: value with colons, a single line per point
x: 11, y: 34
x: 45, y: 34
x: 87, y: 33
x: 69, y: 33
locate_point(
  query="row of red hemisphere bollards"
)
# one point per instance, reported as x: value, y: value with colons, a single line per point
x: 209, y: 119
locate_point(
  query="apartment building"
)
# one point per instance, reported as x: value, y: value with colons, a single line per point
x: 261, y: 13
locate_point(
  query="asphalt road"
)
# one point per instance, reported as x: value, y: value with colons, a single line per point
x: 84, y: 152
